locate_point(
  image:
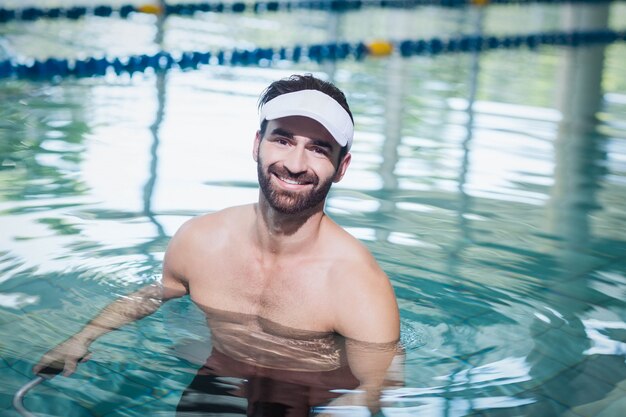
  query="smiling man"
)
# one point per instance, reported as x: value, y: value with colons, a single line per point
x: 278, y: 271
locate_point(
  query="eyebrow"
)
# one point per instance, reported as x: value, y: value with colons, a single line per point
x: 282, y: 132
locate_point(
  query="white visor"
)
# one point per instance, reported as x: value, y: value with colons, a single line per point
x: 315, y: 105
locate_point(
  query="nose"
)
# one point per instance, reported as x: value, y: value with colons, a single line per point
x: 295, y: 160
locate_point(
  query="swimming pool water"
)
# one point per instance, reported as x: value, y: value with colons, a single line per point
x: 490, y: 187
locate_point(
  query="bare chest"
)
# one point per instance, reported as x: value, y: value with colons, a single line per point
x: 291, y: 293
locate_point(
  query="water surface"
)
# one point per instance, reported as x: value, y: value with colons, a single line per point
x: 490, y: 187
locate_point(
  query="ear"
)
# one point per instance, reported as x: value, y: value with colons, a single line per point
x: 257, y: 143
x: 343, y: 166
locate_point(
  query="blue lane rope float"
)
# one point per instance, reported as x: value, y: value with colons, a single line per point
x: 187, y: 9
x: 54, y: 68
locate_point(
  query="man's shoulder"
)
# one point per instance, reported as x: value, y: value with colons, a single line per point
x: 355, y: 270
x: 215, y: 222
x: 205, y: 236
x: 209, y: 231
x: 352, y: 257
x: 360, y: 292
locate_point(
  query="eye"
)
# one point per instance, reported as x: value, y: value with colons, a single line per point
x: 320, y: 150
x: 281, y: 141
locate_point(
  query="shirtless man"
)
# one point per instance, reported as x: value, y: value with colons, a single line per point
x: 281, y: 260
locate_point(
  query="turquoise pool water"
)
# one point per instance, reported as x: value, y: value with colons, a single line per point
x: 491, y: 188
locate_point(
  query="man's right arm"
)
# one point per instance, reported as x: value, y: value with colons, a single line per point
x: 122, y: 311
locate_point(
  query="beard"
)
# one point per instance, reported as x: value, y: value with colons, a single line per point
x: 289, y: 202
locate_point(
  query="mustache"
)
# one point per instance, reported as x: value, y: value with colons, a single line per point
x: 285, y: 173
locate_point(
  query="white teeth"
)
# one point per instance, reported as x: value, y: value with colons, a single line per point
x: 288, y: 181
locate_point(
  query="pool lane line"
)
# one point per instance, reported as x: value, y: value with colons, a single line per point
x: 56, y: 69
x: 30, y: 14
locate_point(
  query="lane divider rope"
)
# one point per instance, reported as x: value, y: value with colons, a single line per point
x: 188, y: 9
x: 56, y: 68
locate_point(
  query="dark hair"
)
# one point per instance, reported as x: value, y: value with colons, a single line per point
x: 304, y: 82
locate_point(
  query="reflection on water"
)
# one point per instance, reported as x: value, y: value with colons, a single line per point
x: 275, y: 346
x: 490, y: 187
x: 225, y: 385
x: 257, y: 367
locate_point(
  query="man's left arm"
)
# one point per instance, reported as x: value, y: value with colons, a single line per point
x: 369, y: 319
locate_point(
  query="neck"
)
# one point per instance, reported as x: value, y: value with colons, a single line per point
x: 281, y: 233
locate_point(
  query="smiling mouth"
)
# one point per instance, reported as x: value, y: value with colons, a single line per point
x: 288, y: 181
x: 291, y: 181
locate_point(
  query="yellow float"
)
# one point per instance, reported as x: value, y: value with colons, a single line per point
x: 150, y: 9
x: 380, y: 48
